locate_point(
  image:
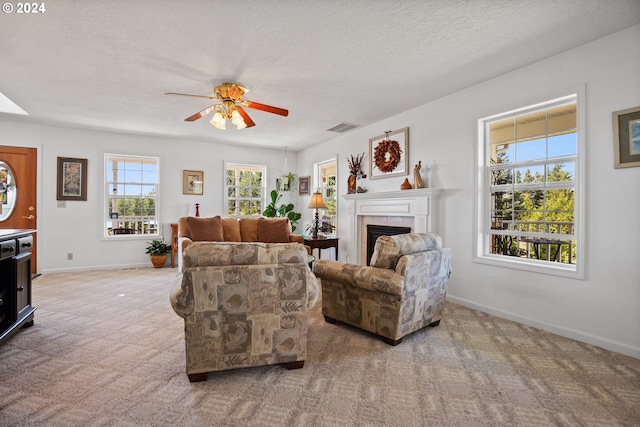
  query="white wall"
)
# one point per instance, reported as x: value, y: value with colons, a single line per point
x: 604, y: 309
x: 78, y: 227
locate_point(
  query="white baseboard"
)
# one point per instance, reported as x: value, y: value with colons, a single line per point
x: 565, y: 332
x: 99, y: 267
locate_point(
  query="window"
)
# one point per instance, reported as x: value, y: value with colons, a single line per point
x: 326, y: 183
x: 244, y: 189
x: 529, y: 169
x: 131, y: 195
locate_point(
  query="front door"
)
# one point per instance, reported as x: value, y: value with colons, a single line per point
x: 22, y: 164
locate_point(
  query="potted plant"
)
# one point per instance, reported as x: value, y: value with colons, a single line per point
x: 282, y: 211
x: 157, y: 251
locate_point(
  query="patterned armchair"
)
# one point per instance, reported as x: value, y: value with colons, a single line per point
x: 402, y: 291
x: 244, y: 304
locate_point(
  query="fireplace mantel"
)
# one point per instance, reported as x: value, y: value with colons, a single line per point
x: 421, y: 204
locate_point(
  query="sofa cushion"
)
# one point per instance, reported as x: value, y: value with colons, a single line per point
x: 249, y: 229
x: 389, y: 249
x: 205, y: 229
x: 231, y: 230
x: 274, y: 230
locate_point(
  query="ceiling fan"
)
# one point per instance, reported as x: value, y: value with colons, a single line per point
x: 232, y: 97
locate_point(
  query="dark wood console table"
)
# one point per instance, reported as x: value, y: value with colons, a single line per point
x: 322, y: 243
x: 16, y: 310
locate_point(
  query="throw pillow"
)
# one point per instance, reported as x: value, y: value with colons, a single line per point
x: 274, y: 230
x: 249, y: 229
x: 231, y: 229
x: 205, y: 229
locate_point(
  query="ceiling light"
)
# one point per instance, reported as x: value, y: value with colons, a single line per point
x: 228, y: 111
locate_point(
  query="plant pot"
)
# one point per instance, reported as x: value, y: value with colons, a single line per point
x: 158, y: 260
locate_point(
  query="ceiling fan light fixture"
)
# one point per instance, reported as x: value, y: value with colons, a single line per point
x: 237, y: 119
x: 218, y: 121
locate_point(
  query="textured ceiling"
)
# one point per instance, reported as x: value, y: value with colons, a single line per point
x: 106, y: 65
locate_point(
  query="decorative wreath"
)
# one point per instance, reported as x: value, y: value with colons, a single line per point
x: 386, y: 155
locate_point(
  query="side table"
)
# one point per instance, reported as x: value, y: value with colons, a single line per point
x: 174, y: 244
x: 322, y: 243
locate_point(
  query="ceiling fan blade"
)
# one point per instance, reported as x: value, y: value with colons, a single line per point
x: 264, y: 107
x: 202, y: 113
x: 191, y: 96
x: 245, y: 117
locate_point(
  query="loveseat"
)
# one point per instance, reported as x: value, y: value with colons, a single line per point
x: 402, y: 291
x: 246, y: 229
x: 244, y: 304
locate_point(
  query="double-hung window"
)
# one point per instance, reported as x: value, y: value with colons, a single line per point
x: 131, y: 195
x: 244, y: 189
x: 326, y: 181
x: 529, y: 188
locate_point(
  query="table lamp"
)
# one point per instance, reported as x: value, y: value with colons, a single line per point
x: 316, y: 203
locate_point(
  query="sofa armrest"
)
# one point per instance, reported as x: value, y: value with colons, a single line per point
x: 183, y: 243
x: 179, y: 298
x: 371, y: 278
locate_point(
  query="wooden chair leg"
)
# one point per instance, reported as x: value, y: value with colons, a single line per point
x: 329, y: 320
x: 298, y: 364
x: 392, y: 342
x: 202, y: 376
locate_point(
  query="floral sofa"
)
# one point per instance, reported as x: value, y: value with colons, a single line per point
x: 401, y: 292
x: 244, y: 304
x: 246, y: 229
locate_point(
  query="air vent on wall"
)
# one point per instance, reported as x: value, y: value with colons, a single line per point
x: 343, y: 127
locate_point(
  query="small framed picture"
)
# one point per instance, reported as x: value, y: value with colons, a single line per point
x: 303, y: 185
x: 192, y: 182
x: 113, y: 215
x: 626, y: 137
x: 72, y: 179
x: 389, y: 154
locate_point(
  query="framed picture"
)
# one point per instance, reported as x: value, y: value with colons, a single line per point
x: 626, y: 137
x: 303, y: 185
x: 192, y: 182
x: 72, y: 179
x: 113, y: 215
x: 389, y: 154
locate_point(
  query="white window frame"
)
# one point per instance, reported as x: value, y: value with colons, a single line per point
x: 482, y: 224
x: 263, y: 196
x: 317, y: 181
x: 109, y: 193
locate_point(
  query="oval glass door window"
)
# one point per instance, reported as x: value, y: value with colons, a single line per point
x: 7, y: 191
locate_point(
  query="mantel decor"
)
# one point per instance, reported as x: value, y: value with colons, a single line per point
x: 626, y: 137
x: 389, y: 154
x: 192, y: 182
x: 72, y: 179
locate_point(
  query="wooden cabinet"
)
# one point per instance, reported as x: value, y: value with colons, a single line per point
x: 16, y: 310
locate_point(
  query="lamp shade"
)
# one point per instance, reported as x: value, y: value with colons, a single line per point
x: 316, y: 201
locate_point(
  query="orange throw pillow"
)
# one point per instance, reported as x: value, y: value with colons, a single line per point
x: 205, y: 229
x: 274, y: 230
x: 231, y: 230
x: 249, y: 229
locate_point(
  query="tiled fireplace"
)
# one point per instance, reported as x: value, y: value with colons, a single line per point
x: 416, y: 209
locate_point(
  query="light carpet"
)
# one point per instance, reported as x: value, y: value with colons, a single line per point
x: 107, y: 350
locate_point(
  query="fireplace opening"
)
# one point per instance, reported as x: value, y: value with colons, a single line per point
x: 375, y: 231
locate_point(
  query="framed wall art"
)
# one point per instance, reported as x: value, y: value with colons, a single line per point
x: 72, y: 179
x: 303, y: 185
x: 626, y: 137
x: 389, y: 154
x: 192, y: 182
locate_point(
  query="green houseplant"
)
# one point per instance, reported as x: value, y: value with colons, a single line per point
x: 282, y: 211
x: 157, y: 251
